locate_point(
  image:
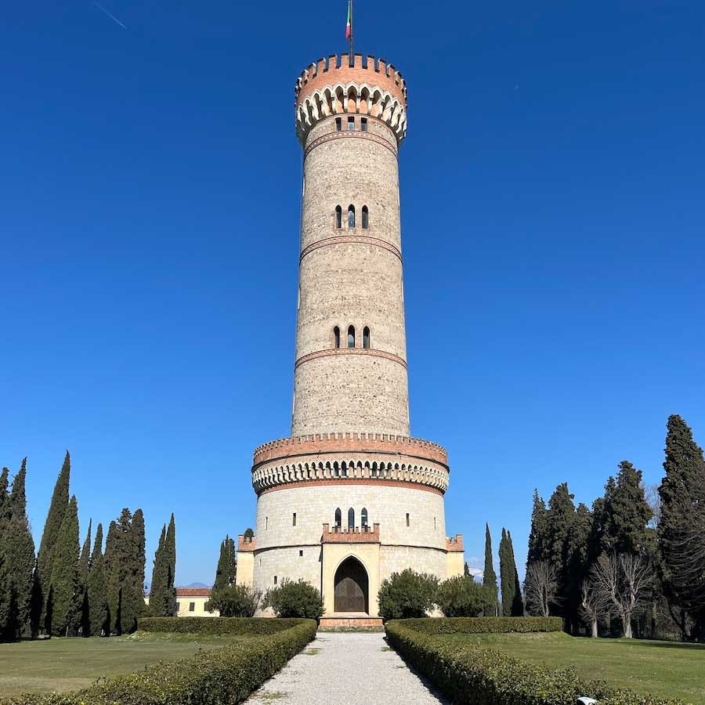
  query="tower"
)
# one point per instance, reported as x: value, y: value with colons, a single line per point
x: 350, y: 497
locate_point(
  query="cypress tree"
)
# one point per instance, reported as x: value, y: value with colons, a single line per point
x: 114, y: 569
x: 506, y: 575
x: 489, y: 577
x: 84, y: 566
x: 559, y: 521
x: 226, y: 571
x: 96, y: 608
x: 64, y: 585
x: 579, y: 559
x: 134, y: 607
x: 171, y: 578
x: 45, y: 556
x: 159, y: 594
x: 538, y: 538
x: 5, y: 598
x: 517, y: 608
x: 681, y: 529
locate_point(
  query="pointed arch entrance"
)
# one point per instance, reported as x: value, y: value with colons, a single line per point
x: 351, y: 587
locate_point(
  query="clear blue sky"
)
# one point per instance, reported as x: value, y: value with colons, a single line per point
x: 553, y: 224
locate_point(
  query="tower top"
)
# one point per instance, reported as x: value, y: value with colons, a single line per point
x: 368, y: 86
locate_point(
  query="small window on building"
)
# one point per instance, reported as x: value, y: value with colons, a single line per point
x: 293, y: 519
x: 336, y: 336
x: 301, y: 553
x: 191, y: 606
x: 351, y: 124
x: 365, y: 218
x: 434, y: 523
x: 266, y: 522
x: 275, y: 579
x: 407, y: 520
x: 351, y: 216
x: 365, y: 337
x: 338, y: 125
x: 363, y: 124
x: 363, y: 518
x: 351, y: 518
x: 351, y: 337
x: 178, y: 606
x: 338, y: 217
x: 338, y: 518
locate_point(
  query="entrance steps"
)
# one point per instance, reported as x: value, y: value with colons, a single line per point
x: 350, y: 620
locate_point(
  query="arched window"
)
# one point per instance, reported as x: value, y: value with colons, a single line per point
x: 351, y: 518
x: 366, y: 337
x: 336, y: 336
x: 365, y: 218
x: 351, y: 216
x: 351, y: 337
x: 338, y: 518
x: 363, y: 518
x: 338, y: 217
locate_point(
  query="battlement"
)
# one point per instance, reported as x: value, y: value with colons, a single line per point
x: 358, y: 534
x: 336, y: 69
x: 333, y: 442
x: 455, y: 543
x: 246, y: 544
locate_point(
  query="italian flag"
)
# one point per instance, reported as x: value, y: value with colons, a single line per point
x: 348, y: 26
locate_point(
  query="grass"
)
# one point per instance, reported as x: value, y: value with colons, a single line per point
x: 660, y: 668
x: 63, y: 665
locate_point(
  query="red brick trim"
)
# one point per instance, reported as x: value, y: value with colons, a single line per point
x: 351, y: 239
x: 353, y: 481
x: 351, y: 351
x: 358, y: 535
x: 454, y: 544
x: 349, y: 135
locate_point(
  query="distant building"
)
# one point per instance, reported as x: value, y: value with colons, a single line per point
x: 191, y: 602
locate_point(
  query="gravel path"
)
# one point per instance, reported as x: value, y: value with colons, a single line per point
x: 345, y: 668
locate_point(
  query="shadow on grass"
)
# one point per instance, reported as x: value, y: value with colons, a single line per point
x: 663, y: 644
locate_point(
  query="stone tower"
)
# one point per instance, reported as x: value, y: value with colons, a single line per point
x: 350, y: 497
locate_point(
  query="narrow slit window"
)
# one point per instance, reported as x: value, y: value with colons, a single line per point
x: 365, y: 218
x: 366, y: 337
x: 338, y: 125
x: 338, y: 217
x: 363, y: 124
x: 363, y: 518
x: 338, y: 518
x: 351, y: 124
x: 293, y: 519
x: 275, y: 579
x: 301, y: 554
x: 351, y: 518
x: 351, y: 216
x: 336, y: 336
x: 351, y: 337
x: 407, y: 520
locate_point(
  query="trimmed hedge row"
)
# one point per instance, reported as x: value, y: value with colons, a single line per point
x: 218, y: 626
x: 472, y: 675
x: 485, y: 625
x: 219, y: 677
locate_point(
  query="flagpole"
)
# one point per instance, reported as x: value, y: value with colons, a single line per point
x: 352, y: 35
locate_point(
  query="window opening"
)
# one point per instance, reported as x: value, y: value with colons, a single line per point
x: 293, y: 520
x: 366, y: 337
x: 407, y: 520
x: 338, y: 518
x: 363, y: 124
x: 336, y: 336
x: 351, y: 216
x: 351, y: 337
x: 365, y: 218
x: 363, y: 518
x: 351, y: 518
x: 178, y: 606
x: 301, y: 553
x: 191, y: 606
x: 275, y: 579
x: 338, y: 125
x: 351, y: 124
x: 338, y: 217
x: 266, y: 522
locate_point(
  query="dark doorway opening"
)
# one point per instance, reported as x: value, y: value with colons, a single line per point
x: 351, y: 587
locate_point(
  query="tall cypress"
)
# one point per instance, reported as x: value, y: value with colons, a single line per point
x: 580, y: 557
x: 135, y: 607
x: 681, y: 529
x: 517, y: 608
x: 171, y: 577
x: 226, y: 570
x: 45, y: 556
x: 64, y: 585
x: 538, y: 537
x: 159, y: 598
x: 559, y: 520
x: 5, y: 597
x: 489, y: 577
x: 19, y: 558
x: 84, y: 566
x: 506, y: 576
x: 114, y: 569
x: 97, y: 608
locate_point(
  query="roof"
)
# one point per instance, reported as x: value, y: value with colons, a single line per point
x: 193, y: 592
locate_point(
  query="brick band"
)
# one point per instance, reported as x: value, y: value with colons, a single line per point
x: 371, y: 352
x: 351, y: 239
x: 348, y: 136
x: 354, y: 481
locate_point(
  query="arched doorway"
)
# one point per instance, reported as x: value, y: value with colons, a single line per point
x: 351, y: 587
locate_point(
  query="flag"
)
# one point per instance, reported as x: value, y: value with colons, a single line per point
x: 348, y: 26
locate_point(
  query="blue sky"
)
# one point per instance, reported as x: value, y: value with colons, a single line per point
x: 553, y: 219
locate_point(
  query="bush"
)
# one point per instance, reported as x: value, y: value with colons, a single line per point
x: 407, y: 594
x: 217, y: 626
x: 461, y: 596
x: 485, y: 625
x: 234, y: 601
x: 219, y: 677
x: 472, y: 675
x: 295, y: 599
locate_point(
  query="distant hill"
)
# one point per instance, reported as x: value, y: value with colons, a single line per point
x: 195, y: 585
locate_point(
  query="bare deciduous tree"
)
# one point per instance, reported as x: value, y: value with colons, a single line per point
x: 623, y: 581
x: 594, y: 604
x: 653, y: 498
x: 540, y: 588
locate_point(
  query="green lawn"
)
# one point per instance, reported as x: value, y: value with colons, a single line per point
x: 660, y: 668
x: 70, y: 664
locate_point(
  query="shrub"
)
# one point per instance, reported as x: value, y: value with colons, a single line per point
x: 234, y: 601
x: 219, y: 677
x: 295, y: 599
x: 461, y: 596
x: 407, y: 594
x: 485, y: 625
x: 472, y: 675
x: 217, y: 626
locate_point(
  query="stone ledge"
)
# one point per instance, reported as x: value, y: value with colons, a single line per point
x: 339, y: 622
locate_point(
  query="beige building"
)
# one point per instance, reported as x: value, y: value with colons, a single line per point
x: 350, y: 497
x: 191, y: 602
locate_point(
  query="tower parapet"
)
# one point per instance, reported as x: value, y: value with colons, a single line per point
x: 333, y: 87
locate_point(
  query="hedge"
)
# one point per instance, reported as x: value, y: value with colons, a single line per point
x: 222, y: 676
x: 218, y: 626
x: 472, y: 675
x: 485, y: 625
